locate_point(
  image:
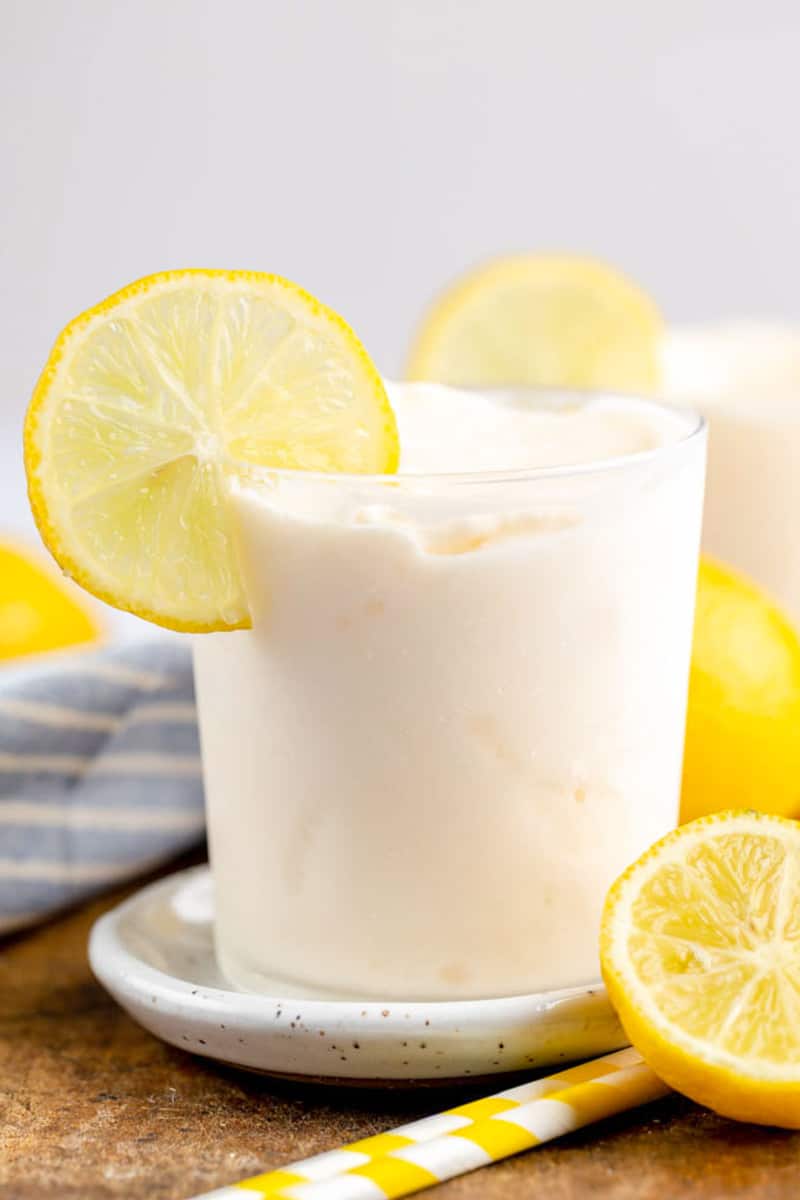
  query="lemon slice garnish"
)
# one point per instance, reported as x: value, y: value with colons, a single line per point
x: 700, y: 948
x: 149, y: 401
x: 541, y: 321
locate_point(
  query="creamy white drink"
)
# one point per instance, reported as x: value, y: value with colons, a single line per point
x: 745, y: 377
x: 459, y: 713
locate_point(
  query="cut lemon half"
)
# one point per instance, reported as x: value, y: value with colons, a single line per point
x: 700, y: 949
x: 541, y: 321
x: 150, y: 400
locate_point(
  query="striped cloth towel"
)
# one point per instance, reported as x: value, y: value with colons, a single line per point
x: 99, y: 773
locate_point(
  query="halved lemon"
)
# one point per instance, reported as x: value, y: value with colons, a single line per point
x: 700, y: 949
x: 541, y: 321
x: 149, y: 401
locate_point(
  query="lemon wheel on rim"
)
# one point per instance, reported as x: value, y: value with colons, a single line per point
x: 148, y: 401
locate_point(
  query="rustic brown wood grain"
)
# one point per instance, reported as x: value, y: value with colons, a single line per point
x: 92, y: 1107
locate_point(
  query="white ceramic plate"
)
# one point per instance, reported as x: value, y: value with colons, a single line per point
x: 155, y: 955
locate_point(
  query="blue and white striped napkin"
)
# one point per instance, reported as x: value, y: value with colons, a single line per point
x: 99, y: 773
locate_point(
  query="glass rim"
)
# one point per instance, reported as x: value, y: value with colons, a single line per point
x: 696, y: 425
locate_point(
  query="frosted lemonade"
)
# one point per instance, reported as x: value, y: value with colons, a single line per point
x: 459, y: 712
x: 453, y: 709
x: 745, y: 377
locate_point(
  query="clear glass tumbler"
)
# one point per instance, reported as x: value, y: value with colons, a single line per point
x: 458, y: 716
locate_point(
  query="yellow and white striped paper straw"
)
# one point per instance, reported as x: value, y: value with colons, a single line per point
x: 423, y: 1153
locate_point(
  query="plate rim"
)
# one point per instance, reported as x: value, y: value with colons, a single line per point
x: 401, y: 1042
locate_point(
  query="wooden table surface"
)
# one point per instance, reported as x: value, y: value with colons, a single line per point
x: 92, y: 1107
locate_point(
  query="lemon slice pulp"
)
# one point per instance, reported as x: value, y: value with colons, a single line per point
x: 700, y: 949
x: 149, y: 400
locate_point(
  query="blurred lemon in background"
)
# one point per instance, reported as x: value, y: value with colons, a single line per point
x: 541, y: 320
x: 37, y: 611
x: 743, y: 725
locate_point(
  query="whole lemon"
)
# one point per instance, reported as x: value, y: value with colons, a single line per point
x: 37, y: 611
x: 743, y: 723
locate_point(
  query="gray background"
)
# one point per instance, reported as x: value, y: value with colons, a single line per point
x: 370, y: 149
